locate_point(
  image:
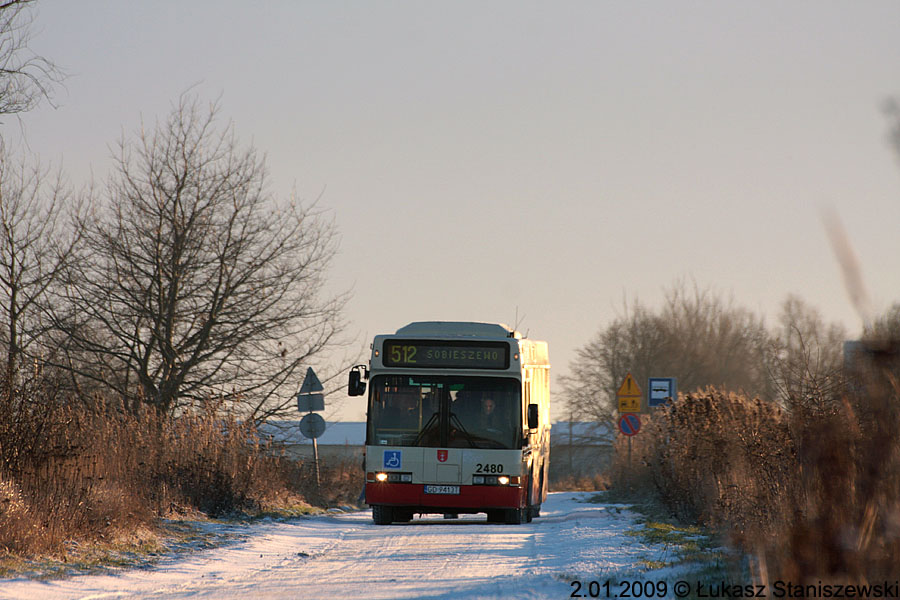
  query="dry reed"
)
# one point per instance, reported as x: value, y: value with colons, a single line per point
x: 811, y: 494
x: 72, y: 472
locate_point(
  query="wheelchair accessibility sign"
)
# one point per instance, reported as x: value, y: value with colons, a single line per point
x: 392, y: 459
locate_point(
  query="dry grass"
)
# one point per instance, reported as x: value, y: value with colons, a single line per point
x: 340, y: 483
x: 714, y: 458
x: 846, y: 523
x: 810, y: 494
x: 91, y: 473
x: 571, y: 483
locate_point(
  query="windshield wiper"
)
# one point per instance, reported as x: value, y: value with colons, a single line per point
x: 428, y: 425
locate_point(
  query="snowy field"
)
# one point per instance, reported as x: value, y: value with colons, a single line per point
x: 347, y: 556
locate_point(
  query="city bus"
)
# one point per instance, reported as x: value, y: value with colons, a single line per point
x: 458, y: 421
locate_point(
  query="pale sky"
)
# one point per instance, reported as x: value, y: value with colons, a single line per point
x: 556, y: 158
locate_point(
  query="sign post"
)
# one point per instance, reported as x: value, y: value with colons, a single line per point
x: 629, y: 399
x: 310, y: 398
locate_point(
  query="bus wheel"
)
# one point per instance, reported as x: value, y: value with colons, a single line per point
x: 495, y: 516
x: 382, y: 515
x: 515, y: 516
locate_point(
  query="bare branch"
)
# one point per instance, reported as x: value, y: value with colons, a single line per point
x: 34, y: 248
x: 195, y: 280
x: 697, y: 337
x: 25, y: 78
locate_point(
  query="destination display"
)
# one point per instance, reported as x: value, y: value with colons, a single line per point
x: 432, y: 354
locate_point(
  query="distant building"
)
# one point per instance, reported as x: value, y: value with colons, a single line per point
x: 341, y: 440
x: 580, y: 449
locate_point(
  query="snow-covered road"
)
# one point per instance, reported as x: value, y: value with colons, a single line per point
x: 347, y: 556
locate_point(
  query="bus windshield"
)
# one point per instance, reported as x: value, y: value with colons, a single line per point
x: 445, y: 411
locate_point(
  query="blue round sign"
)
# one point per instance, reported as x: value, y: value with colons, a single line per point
x: 629, y: 424
x: 312, y: 426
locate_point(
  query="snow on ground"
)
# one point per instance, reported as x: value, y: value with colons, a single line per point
x: 347, y: 556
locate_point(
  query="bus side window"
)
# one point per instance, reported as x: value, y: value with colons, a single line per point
x: 527, y: 399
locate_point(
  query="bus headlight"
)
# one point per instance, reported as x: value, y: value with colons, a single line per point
x: 509, y: 480
x: 394, y: 477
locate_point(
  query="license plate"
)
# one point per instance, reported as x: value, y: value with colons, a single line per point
x: 442, y: 489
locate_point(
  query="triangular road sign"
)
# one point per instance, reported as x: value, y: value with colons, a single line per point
x: 629, y: 387
x: 311, y: 383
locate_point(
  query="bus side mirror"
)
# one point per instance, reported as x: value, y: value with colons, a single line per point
x: 532, y: 416
x: 356, y: 386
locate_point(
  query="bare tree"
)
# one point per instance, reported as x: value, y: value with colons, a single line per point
x: 196, y: 282
x: 887, y: 326
x: 632, y: 343
x: 697, y: 337
x: 805, y: 358
x: 34, y: 246
x: 25, y: 78
x: 708, y: 340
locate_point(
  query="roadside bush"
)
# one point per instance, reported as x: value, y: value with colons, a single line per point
x: 340, y: 482
x: 714, y: 458
x: 90, y: 473
x: 847, y: 521
x: 571, y: 483
x: 810, y: 494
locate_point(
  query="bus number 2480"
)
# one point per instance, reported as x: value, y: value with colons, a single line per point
x: 486, y: 468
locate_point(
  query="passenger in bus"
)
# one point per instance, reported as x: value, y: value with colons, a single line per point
x: 491, y: 418
x: 496, y: 419
x: 403, y: 413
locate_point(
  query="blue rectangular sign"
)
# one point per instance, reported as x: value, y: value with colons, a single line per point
x: 661, y: 390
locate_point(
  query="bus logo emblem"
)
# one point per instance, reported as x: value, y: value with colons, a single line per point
x: 442, y: 455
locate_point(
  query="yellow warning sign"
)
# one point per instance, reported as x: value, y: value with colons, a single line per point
x: 629, y: 396
x: 629, y: 387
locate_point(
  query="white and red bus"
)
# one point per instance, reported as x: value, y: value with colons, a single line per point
x: 458, y: 421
